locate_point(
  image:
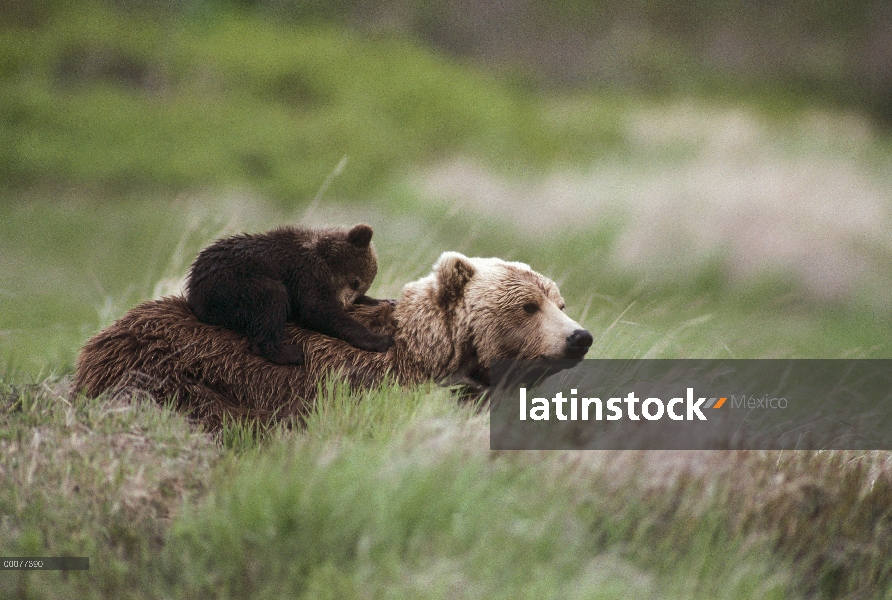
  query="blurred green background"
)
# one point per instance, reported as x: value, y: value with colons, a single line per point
x: 702, y: 179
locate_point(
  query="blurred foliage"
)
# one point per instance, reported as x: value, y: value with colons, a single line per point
x: 94, y: 95
x: 272, y: 94
x: 837, y: 51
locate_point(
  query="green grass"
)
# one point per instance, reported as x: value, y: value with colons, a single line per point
x: 93, y: 478
x: 393, y: 493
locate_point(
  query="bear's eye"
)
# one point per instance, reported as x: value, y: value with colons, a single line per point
x: 530, y: 307
x: 354, y: 284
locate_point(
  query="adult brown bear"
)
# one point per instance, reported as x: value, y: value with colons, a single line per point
x: 448, y: 326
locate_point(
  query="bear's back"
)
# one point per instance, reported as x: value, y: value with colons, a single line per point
x: 264, y: 254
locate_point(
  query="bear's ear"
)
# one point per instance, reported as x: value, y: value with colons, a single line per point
x: 360, y: 235
x: 454, y: 271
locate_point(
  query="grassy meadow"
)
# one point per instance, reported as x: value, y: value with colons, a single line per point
x: 676, y: 227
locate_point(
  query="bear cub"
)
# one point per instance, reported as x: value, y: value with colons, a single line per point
x: 254, y: 283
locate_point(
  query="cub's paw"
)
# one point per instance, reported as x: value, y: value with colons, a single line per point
x: 290, y: 354
x: 378, y: 343
x: 285, y: 354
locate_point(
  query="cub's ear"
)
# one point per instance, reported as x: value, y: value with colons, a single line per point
x: 453, y: 272
x: 360, y: 235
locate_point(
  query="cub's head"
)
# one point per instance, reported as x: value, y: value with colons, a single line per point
x: 350, y: 256
x: 495, y: 309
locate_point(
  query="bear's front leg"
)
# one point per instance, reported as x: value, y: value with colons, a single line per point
x: 337, y: 323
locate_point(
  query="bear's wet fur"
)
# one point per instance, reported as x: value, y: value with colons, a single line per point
x: 254, y: 283
x: 448, y: 327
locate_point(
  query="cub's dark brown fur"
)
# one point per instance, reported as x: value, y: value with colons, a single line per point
x: 254, y: 284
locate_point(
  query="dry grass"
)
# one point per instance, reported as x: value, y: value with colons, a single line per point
x: 98, y: 478
x: 395, y: 493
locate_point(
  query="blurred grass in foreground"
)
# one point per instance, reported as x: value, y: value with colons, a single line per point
x: 394, y: 493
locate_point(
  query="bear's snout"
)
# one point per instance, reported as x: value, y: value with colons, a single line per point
x: 578, y: 343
